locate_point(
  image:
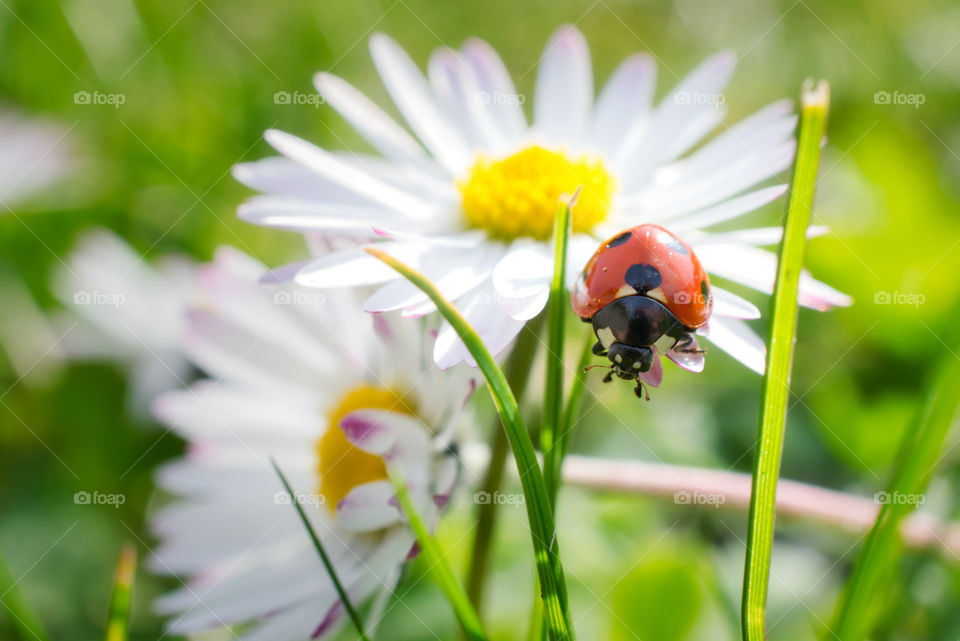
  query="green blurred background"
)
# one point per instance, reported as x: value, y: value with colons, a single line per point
x: 199, y: 78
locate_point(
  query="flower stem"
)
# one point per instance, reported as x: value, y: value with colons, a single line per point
x: 776, y: 381
x: 540, y: 516
x: 118, y: 619
x: 517, y: 372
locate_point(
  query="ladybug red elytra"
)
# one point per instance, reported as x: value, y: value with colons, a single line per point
x: 646, y: 293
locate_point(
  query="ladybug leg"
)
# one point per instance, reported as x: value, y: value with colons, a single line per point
x: 608, y: 377
x: 688, y: 345
x: 598, y: 349
x: 640, y: 391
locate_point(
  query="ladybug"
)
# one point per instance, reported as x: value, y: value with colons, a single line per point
x: 646, y: 293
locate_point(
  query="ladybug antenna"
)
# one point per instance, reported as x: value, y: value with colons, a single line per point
x: 590, y: 367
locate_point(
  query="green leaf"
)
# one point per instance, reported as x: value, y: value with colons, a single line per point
x: 917, y: 459
x: 118, y: 618
x: 539, y: 514
x: 344, y: 599
x: 776, y: 381
x: 437, y: 565
x: 21, y: 615
x: 556, y: 313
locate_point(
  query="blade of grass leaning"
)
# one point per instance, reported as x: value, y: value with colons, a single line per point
x: 776, y: 381
x: 341, y: 592
x: 556, y: 315
x: 118, y: 619
x: 437, y: 564
x: 22, y: 616
x: 919, y: 453
x: 539, y: 514
x: 517, y: 371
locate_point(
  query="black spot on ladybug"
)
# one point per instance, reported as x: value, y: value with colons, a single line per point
x: 704, y: 290
x: 619, y: 240
x: 642, y: 277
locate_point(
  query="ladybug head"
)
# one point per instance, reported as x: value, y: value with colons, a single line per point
x: 629, y: 360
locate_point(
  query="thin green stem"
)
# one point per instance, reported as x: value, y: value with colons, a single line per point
x: 556, y: 315
x: 517, y: 372
x: 437, y: 564
x: 327, y: 564
x: 574, y: 399
x: 918, y: 456
x: 118, y: 619
x: 539, y: 514
x: 776, y: 382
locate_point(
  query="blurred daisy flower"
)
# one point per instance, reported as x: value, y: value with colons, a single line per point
x: 471, y: 201
x: 337, y: 397
x: 122, y: 308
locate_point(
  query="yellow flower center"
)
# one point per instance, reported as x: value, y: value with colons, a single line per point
x: 517, y: 196
x: 341, y: 465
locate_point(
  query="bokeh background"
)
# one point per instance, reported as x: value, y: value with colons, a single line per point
x: 198, y: 80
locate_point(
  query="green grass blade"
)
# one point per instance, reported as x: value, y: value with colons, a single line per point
x: 22, y: 616
x: 572, y: 410
x: 517, y: 372
x: 539, y: 514
x: 919, y: 454
x: 344, y: 599
x: 776, y: 381
x: 556, y: 315
x: 118, y: 619
x: 438, y: 567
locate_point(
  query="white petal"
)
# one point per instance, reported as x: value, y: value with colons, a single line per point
x: 412, y: 96
x: 737, y: 339
x: 455, y: 84
x: 369, y: 507
x: 327, y: 165
x: 564, y: 90
x: 727, y: 303
x: 495, y: 327
x: 654, y: 376
x: 727, y: 210
x: 369, y: 120
x: 504, y: 104
x: 306, y: 216
x: 624, y: 103
x: 354, y: 267
x: 757, y: 268
x: 691, y: 359
x: 757, y: 236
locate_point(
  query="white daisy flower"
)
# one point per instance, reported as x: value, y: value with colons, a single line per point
x: 33, y: 155
x: 471, y: 200
x: 336, y: 396
x: 123, y: 308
